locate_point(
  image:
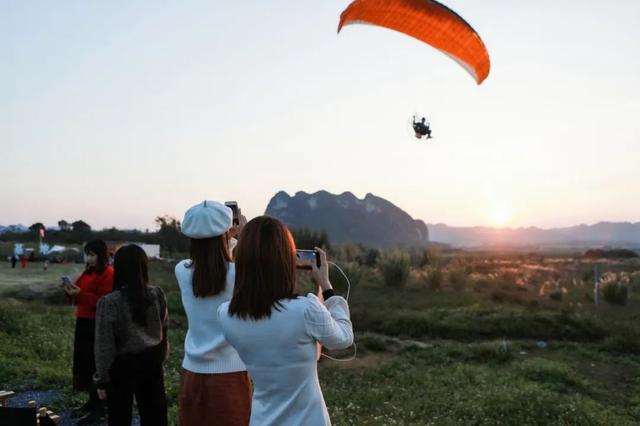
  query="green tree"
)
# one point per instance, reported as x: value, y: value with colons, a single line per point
x: 306, y: 238
x: 81, y: 231
x: 169, y: 234
x: 80, y: 226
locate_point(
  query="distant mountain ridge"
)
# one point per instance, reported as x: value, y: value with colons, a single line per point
x: 622, y: 234
x: 371, y: 221
x: 13, y: 228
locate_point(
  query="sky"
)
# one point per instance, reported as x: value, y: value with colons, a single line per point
x: 117, y: 112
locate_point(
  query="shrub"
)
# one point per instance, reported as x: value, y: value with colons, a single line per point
x: 434, y: 279
x: 395, y: 266
x: 556, y: 295
x: 496, y: 351
x: 368, y: 257
x: 373, y: 343
x: 616, y: 293
x: 481, y: 284
x: 352, y: 270
x: 457, y: 279
x: 624, y: 341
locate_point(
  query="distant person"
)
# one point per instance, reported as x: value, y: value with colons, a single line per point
x: 214, y: 385
x: 14, y: 260
x: 45, y: 265
x: 131, y: 342
x: 23, y: 261
x: 421, y: 128
x: 276, y: 332
x: 95, y: 282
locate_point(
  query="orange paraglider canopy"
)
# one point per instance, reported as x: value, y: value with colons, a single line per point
x: 428, y: 21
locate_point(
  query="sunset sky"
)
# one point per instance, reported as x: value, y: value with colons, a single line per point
x: 116, y: 112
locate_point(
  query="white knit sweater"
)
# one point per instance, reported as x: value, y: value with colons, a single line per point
x: 205, y: 349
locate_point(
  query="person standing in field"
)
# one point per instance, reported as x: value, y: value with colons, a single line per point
x: 23, y: 261
x: 276, y: 332
x: 94, y: 282
x: 14, y: 260
x: 214, y: 385
x: 131, y: 343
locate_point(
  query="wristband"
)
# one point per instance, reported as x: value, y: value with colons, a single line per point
x: 328, y: 293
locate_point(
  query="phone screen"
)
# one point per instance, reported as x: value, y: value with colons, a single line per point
x: 305, y: 258
x: 233, y: 205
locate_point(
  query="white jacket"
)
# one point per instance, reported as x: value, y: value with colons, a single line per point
x: 280, y: 355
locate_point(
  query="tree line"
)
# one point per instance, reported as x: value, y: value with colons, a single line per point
x: 167, y: 234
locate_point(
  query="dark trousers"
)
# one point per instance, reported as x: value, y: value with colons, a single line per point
x: 84, y: 364
x: 138, y: 375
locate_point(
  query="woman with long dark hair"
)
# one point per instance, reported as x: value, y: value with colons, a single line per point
x: 276, y: 332
x: 214, y: 386
x: 131, y: 342
x: 95, y: 281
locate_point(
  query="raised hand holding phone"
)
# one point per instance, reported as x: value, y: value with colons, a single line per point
x: 320, y: 273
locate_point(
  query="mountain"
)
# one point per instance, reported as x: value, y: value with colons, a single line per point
x: 621, y: 234
x: 13, y: 228
x: 372, y: 221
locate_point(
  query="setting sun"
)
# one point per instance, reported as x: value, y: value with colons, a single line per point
x: 500, y: 215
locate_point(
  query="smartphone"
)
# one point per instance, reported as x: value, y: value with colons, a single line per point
x: 233, y: 205
x: 66, y: 281
x: 305, y: 258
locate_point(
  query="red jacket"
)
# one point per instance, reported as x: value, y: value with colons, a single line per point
x: 92, y: 287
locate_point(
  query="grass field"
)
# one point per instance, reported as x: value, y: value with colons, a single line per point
x: 497, y: 339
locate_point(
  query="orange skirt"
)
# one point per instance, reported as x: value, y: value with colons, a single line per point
x: 215, y: 399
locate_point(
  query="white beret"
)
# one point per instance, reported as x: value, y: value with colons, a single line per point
x: 207, y: 219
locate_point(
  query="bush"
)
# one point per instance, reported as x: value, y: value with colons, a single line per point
x: 434, y: 279
x: 368, y: 257
x: 556, y: 295
x: 625, y: 341
x: 395, y: 266
x: 496, y: 351
x: 457, y: 279
x: 373, y: 343
x: 616, y: 293
x: 481, y: 284
x: 352, y: 270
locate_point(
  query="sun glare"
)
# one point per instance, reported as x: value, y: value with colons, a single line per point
x: 500, y: 215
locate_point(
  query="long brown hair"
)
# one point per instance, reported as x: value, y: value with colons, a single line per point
x: 209, y: 258
x: 131, y: 277
x: 265, y: 268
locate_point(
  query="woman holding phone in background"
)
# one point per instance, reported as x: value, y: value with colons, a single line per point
x: 94, y: 282
x: 214, y: 385
x: 276, y: 332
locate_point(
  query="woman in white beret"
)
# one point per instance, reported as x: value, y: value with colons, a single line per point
x: 214, y: 385
x: 276, y: 332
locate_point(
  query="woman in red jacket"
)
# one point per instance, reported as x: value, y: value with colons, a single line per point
x: 95, y: 282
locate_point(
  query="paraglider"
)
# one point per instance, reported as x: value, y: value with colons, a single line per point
x: 421, y: 128
x: 428, y: 21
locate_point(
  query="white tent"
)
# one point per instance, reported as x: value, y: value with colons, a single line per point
x: 152, y: 250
